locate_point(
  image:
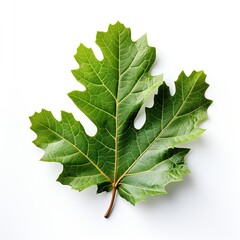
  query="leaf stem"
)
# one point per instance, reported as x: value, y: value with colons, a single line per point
x: 111, y: 203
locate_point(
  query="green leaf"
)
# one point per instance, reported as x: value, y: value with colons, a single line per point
x: 136, y: 163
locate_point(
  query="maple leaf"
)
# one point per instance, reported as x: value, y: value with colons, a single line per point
x: 136, y: 163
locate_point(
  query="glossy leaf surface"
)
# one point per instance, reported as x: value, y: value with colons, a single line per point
x: 136, y: 163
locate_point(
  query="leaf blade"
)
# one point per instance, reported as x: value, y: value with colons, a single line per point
x: 167, y: 124
x: 137, y: 163
x: 61, y: 144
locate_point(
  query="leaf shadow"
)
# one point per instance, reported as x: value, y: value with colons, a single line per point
x: 174, y: 193
x: 176, y: 190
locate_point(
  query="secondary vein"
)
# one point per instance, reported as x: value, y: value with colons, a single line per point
x: 174, y: 117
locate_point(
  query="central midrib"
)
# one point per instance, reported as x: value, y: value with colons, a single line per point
x: 116, y: 125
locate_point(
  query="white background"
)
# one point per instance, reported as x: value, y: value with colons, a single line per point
x: 37, y: 42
